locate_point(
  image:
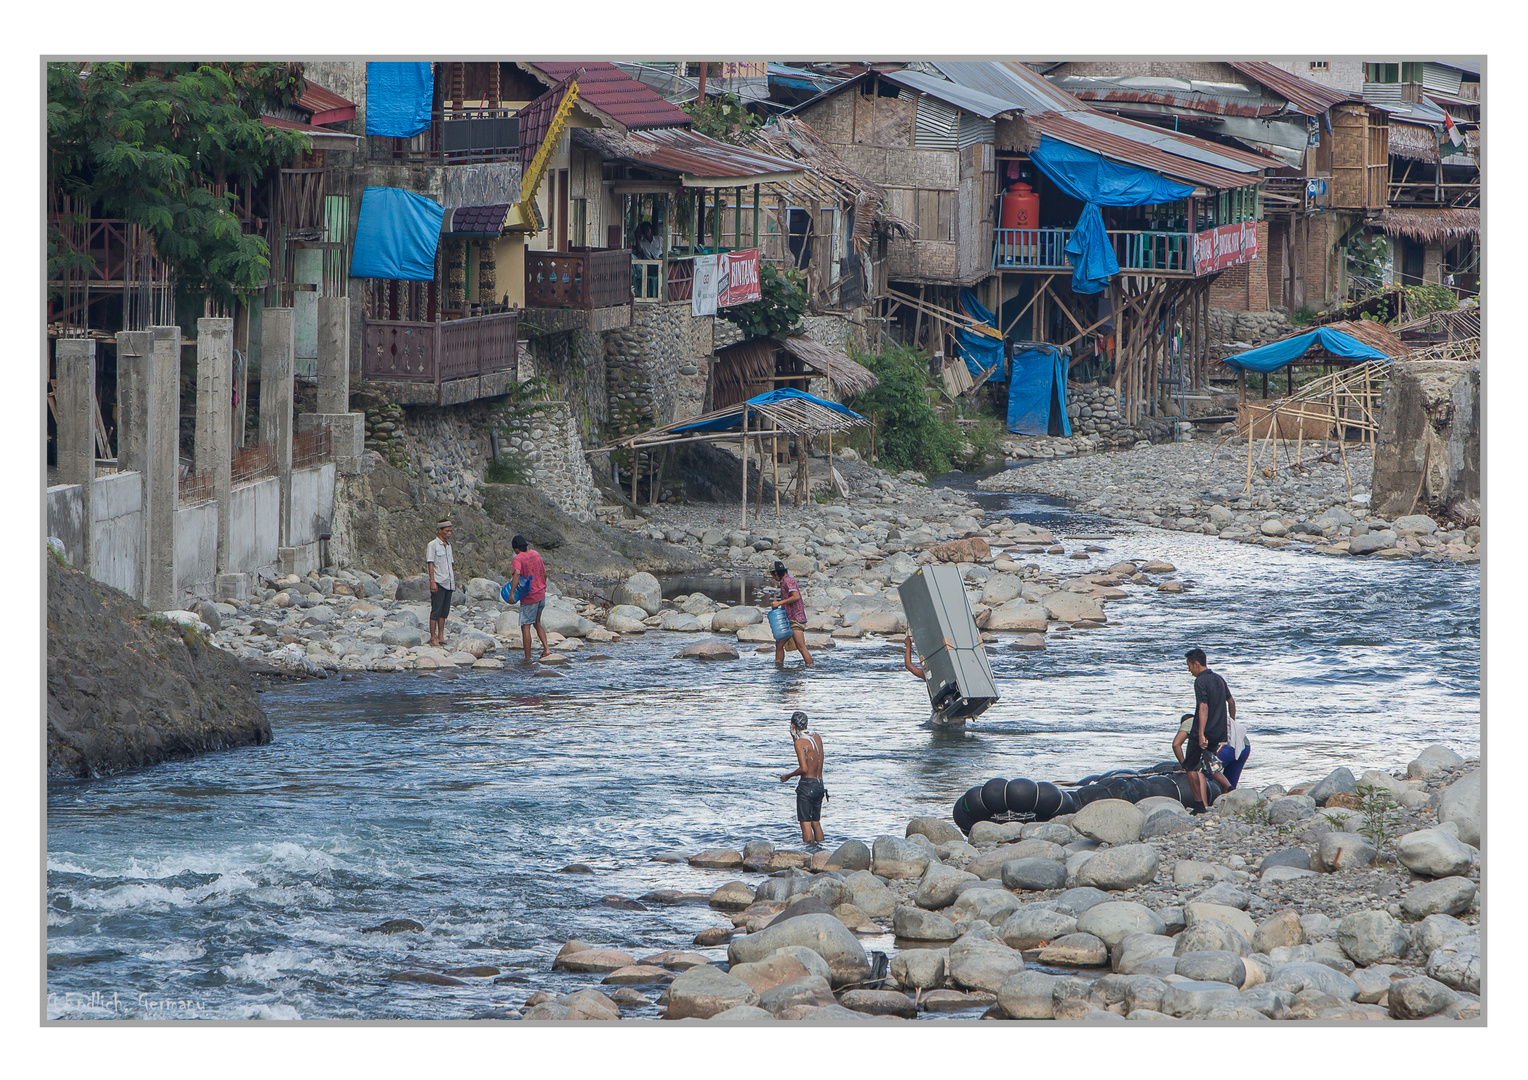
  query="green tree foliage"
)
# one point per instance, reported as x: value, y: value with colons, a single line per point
x: 163, y: 146
x: 910, y: 432
x: 778, y: 311
x: 723, y: 117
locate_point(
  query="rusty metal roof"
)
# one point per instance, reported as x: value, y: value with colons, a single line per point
x: 1072, y: 128
x: 1308, y: 97
x: 608, y: 90
x: 1010, y: 81
x: 307, y: 129
x: 704, y: 162
x: 1179, y: 143
x: 326, y: 106
x: 1215, y: 104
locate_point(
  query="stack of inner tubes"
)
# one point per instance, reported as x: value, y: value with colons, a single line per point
x: 1042, y: 800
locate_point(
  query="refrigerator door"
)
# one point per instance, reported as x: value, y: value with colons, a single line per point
x: 958, y: 676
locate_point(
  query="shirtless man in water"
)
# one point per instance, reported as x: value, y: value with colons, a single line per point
x: 810, y: 792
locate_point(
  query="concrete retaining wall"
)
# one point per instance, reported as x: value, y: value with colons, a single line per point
x: 118, y: 531
x: 196, y: 550
x: 312, y: 504
x: 255, y: 531
x: 66, y: 520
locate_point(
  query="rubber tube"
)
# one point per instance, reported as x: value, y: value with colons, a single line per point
x: 979, y: 811
x: 1021, y: 796
x: 1047, y: 801
x: 962, y: 816
x: 1067, y: 805
x: 995, y: 796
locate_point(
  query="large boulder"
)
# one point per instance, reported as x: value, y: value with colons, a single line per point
x: 556, y: 618
x: 708, y: 650
x: 626, y: 619
x: 990, y: 905
x: 1110, y: 821
x: 1447, y: 896
x: 480, y: 588
x: 1001, y: 588
x: 1457, y: 964
x: 1035, y: 924
x: 1309, y: 975
x: 823, y: 934
x: 1071, y: 607
x: 894, y: 857
x: 1034, y: 874
x: 1433, y: 759
x: 640, y: 590
x: 1419, y: 998
x: 979, y: 963
x: 1436, y: 931
x: 413, y: 589
x: 732, y: 619
x: 1433, y: 853
x: 918, y: 969
x: 937, y: 830
x: 703, y: 991
x: 850, y: 855
x: 939, y: 886
x: 1121, y: 867
x: 1279, y: 931
x: 1197, y: 910
x: 1339, y: 781
x: 1460, y: 804
x: 990, y: 865
x: 1020, y: 616
x: 1371, y: 936
x: 1344, y: 851
x: 1028, y: 995
x: 1190, y: 998
x: 1212, y: 935
x: 870, y: 894
x: 915, y: 924
x: 1110, y: 922
x: 811, y: 990
x: 1138, y: 948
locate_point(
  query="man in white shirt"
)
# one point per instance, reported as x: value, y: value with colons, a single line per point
x: 437, y: 558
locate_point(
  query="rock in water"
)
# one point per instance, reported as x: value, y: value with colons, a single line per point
x: 703, y: 991
x: 640, y: 590
x: 124, y: 692
x: 823, y: 934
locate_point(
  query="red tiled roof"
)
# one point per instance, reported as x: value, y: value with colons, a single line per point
x: 326, y: 106
x: 608, y: 89
x: 705, y: 162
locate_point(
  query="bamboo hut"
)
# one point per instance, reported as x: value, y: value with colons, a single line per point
x: 759, y: 365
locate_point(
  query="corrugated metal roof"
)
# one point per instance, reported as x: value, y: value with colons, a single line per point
x: 705, y: 162
x: 1173, y: 142
x: 1009, y: 81
x: 1070, y: 128
x: 1307, y: 97
x: 326, y: 106
x: 308, y: 129
x: 609, y: 90
x: 962, y: 97
x: 1213, y: 104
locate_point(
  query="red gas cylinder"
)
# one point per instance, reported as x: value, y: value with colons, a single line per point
x: 1021, y: 208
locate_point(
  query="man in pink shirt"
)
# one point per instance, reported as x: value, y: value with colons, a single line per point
x: 795, y: 610
x: 528, y: 564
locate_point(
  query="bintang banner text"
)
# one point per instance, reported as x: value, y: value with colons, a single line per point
x: 725, y: 281
x: 1229, y: 245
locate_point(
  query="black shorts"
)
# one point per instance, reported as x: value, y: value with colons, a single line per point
x: 809, y: 796
x: 1206, y: 760
x: 440, y: 604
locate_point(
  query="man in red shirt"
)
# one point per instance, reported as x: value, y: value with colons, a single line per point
x: 795, y: 610
x: 528, y: 565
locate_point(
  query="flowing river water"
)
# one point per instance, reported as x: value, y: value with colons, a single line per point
x: 239, y: 884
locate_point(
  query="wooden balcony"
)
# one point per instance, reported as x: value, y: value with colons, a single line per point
x: 1162, y: 254
x: 580, y: 289
x: 441, y: 363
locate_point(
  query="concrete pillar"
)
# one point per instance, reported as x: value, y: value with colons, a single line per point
x: 214, y: 421
x: 161, y: 438
x: 333, y: 354
x: 135, y: 355
x: 278, y: 359
x: 74, y: 394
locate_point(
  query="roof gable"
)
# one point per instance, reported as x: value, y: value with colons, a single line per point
x: 608, y: 91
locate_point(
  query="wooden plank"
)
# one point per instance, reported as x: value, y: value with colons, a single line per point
x: 945, y: 214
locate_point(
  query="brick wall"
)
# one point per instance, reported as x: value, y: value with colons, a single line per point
x: 1244, y: 287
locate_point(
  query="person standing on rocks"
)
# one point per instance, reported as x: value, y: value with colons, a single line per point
x: 437, y: 559
x: 1233, y: 755
x: 1214, y: 705
x: 810, y: 792
x: 795, y: 610
x: 528, y: 566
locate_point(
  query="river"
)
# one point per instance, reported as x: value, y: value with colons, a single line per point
x: 239, y: 884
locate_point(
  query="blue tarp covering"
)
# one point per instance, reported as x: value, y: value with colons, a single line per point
x: 398, y: 98
x: 1097, y: 181
x: 1037, y: 389
x: 396, y: 236
x: 1091, y: 178
x: 1272, y: 357
x: 980, y: 351
x: 727, y: 423
x: 1092, y: 255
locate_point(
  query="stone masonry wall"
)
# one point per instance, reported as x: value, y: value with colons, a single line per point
x: 1093, y: 409
x: 549, y: 448
x: 657, y: 367
x: 1245, y: 329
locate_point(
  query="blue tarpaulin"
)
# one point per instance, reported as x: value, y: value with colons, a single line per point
x: 1097, y: 181
x: 1037, y: 389
x: 735, y: 420
x: 980, y: 351
x: 1092, y: 255
x: 396, y: 236
x: 1271, y: 357
x: 398, y: 98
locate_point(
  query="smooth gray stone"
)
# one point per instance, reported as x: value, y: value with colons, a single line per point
x: 1212, y: 966
x: 1446, y: 896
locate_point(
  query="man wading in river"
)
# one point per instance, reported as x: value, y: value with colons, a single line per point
x: 810, y: 792
x: 1213, y: 705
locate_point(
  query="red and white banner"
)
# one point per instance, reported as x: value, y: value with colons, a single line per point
x: 1229, y: 245
x: 739, y: 281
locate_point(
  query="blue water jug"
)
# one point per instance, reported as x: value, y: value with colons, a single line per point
x: 779, y: 623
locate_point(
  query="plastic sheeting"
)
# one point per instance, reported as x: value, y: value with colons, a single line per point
x: 1091, y: 253
x: 1037, y: 389
x: 735, y: 420
x: 1092, y: 178
x: 979, y: 351
x: 396, y: 236
x: 398, y: 98
x: 1271, y: 357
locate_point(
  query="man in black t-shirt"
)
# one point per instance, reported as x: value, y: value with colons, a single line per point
x: 1212, y: 704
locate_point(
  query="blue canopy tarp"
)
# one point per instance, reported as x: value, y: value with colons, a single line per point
x: 398, y: 97
x: 735, y: 419
x: 1096, y: 181
x: 979, y: 350
x: 1273, y: 356
x: 1037, y: 389
x: 396, y: 236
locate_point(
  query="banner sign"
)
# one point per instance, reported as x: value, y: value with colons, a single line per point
x: 703, y: 295
x: 1229, y: 245
x: 739, y: 283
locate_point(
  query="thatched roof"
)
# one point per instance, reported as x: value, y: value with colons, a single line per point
x: 1414, y: 142
x: 793, y: 138
x: 1430, y: 226
x: 1373, y: 334
x: 847, y: 376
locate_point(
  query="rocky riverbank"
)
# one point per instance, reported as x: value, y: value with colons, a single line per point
x: 128, y: 688
x: 1199, y: 486
x: 1344, y: 898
